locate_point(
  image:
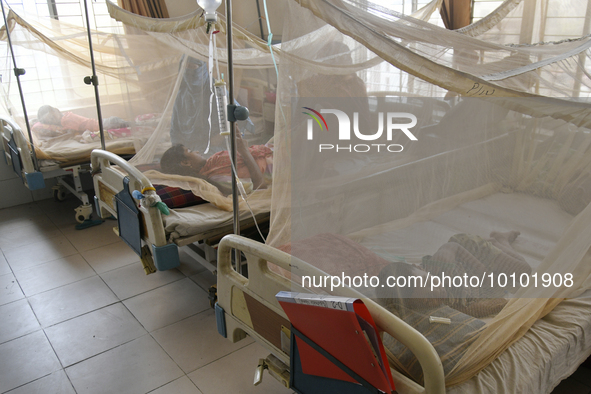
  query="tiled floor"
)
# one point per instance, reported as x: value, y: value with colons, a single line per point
x: 78, y: 315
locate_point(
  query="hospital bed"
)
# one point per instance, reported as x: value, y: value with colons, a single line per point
x: 157, y: 237
x: 67, y: 161
x: 551, y: 349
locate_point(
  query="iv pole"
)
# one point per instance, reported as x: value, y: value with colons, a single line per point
x: 233, y: 112
x: 232, y: 119
x: 18, y: 72
x: 94, y: 80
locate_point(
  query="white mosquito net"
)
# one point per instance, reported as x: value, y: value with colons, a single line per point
x: 134, y: 86
x: 449, y: 159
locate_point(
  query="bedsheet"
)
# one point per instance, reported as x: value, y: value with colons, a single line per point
x: 198, y: 219
x: 186, y: 222
x: 556, y: 344
x: 496, y: 212
x: 550, y: 351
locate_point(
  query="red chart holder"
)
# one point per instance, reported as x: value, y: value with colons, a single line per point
x: 335, y: 346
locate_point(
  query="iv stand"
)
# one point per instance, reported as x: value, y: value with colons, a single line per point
x: 18, y: 72
x: 94, y: 80
x: 231, y: 117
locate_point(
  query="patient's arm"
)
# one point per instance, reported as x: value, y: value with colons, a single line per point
x: 256, y: 176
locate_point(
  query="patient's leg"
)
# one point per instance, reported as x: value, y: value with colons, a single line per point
x: 454, y: 253
x: 509, y: 261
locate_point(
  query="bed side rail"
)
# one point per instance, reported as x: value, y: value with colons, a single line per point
x: 262, y: 285
x: 113, y: 187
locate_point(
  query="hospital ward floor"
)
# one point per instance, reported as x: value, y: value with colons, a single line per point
x: 78, y: 315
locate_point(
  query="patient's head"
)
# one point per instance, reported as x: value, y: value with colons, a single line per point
x: 181, y: 161
x: 49, y: 115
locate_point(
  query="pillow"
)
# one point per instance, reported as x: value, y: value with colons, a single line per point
x: 175, y: 197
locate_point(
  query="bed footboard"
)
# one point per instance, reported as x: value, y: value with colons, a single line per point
x: 247, y: 306
x: 141, y: 227
x: 18, y: 155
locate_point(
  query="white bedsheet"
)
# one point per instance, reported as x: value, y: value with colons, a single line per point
x: 549, y: 352
x: 540, y: 221
x: 555, y: 345
x: 185, y: 222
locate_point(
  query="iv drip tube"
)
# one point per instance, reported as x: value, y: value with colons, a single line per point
x: 18, y: 72
x: 94, y: 80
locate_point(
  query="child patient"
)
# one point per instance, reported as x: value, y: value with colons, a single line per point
x: 462, y: 254
x: 54, y: 123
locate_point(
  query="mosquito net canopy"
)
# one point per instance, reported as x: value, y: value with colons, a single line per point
x: 134, y: 86
x: 443, y: 173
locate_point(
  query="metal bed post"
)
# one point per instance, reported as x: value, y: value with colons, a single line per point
x: 18, y: 72
x: 232, y: 152
x: 94, y: 79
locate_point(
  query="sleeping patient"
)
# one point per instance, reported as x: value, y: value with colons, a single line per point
x: 51, y: 123
x: 462, y: 254
x: 254, y: 163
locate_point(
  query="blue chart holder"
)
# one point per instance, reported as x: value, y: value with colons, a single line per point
x: 128, y: 219
x: 166, y: 257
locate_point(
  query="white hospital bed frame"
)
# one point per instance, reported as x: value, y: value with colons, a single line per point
x: 144, y: 230
x: 19, y: 156
x: 236, y: 320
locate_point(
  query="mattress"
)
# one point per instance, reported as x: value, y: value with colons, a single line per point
x: 556, y: 344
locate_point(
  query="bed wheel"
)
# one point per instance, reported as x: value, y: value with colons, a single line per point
x: 83, y: 213
x: 59, y: 194
x: 213, y: 295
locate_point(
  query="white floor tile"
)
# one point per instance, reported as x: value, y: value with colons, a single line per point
x: 91, y: 238
x: 26, y: 359
x: 9, y: 289
x: 19, y: 214
x: 56, y: 383
x: 179, y: 386
x: 240, y: 365
x: 195, y: 342
x: 93, y: 333
x: 39, y: 252
x: 29, y: 230
x: 53, y: 274
x: 4, y: 267
x: 138, y: 367
x: 66, y: 302
x: 168, y: 304
x: 110, y: 257
x: 131, y: 280
x: 17, y: 320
